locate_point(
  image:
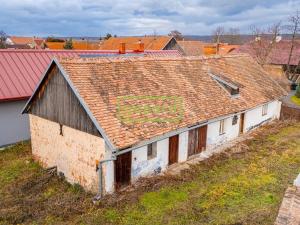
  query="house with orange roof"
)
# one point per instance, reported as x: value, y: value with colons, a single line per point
x: 25, y: 42
x: 149, y: 42
x: 106, y: 122
x: 198, y: 48
x: 77, y: 45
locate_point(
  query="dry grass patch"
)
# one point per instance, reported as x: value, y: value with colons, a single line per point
x: 243, y: 185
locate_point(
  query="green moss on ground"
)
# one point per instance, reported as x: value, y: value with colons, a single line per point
x: 295, y: 100
x: 242, y: 188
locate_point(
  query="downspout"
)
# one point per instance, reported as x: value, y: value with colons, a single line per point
x: 100, y: 174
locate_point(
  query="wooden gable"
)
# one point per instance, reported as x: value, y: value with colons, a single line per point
x: 56, y: 101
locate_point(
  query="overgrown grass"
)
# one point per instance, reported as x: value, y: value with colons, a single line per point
x: 296, y: 100
x: 245, y: 187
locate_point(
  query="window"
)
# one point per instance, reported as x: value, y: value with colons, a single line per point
x: 222, y: 127
x: 151, y: 150
x: 265, y: 110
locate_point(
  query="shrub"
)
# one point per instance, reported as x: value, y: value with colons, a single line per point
x: 298, y: 91
x: 68, y: 44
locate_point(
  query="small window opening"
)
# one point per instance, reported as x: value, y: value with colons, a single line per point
x: 265, y: 109
x: 61, y: 129
x: 222, y: 127
x: 151, y: 150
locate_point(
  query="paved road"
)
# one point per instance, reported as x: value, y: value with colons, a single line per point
x: 288, y: 102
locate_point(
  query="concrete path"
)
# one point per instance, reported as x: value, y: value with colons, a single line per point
x: 288, y: 102
x: 289, y: 212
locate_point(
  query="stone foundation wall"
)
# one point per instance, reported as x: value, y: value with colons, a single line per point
x: 73, y: 152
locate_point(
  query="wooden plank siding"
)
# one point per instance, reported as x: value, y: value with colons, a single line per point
x: 197, y: 140
x: 56, y: 101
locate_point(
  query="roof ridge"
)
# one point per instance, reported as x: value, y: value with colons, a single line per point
x: 64, y: 59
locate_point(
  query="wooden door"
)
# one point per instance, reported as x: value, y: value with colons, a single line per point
x: 242, y: 122
x: 193, y: 142
x: 202, y: 136
x: 173, y: 149
x: 123, y: 170
x: 197, y: 140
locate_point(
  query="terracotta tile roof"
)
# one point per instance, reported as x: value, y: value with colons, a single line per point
x: 196, y: 48
x: 226, y: 49
x: 20, y: 70
x: 192, y: 48
x: 279, y: 54
x: 77, y: 45
x: 150, y: 42
x: 21, y: 40
x: 102, y: 83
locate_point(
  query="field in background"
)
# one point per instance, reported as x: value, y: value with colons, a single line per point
x: 244, y: 185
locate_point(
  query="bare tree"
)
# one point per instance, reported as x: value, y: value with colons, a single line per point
x: 264, y: 42
x: 3, y: 38
x: 294, y: 28
x: 232, y: 36
x: 218, y: 34
x: 176, y: 34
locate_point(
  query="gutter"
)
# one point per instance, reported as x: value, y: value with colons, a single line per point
x: 100, y: 175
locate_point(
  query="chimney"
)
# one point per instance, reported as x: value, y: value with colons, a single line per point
x: 122, y: 49
x: 141, y: 47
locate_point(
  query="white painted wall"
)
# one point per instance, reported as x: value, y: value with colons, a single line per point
x: 14, y: 126
x: 108, y: 172
x: 183, y: 146
x: 254, y: 117
x: 141, y: 166
x: 214, y: 139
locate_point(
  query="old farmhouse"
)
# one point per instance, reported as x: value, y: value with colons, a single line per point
x: 106, y: 122
x: 20, y: 72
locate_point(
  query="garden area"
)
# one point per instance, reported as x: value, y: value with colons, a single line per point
x: 243, y: 185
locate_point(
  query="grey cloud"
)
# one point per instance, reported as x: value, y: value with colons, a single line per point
x: 137, y: 17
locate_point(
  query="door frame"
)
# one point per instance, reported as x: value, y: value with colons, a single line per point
x: 197, y: 135
x: 242, y: 123
x: 119, y: 170
x: 173, y: 139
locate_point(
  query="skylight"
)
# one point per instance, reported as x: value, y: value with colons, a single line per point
x: 232, y: 88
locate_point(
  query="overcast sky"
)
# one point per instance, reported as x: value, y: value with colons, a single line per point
x: 137, y: 17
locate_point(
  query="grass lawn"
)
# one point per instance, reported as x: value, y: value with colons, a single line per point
x: 296, y: 100
x: 244, y: 185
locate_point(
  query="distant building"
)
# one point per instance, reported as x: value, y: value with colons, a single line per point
x: 19, y: 42
x: 150, y: 43
x: 198, y: 48
x: 276, y: 63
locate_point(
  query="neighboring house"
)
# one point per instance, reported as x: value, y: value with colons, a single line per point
x: 199, y: 48
x: 150, y: 43
x: 104, y: 123
x: 192, y: 48
x: 25, y: 42
x: 77, y: 45
x: 276, y: 63
x: 20, y: 71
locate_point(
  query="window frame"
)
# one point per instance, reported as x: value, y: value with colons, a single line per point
x: 222, y: 127
x: 153, y: 148
x: 265, y: 110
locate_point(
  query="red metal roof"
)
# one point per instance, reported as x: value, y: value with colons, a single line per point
x: 20, y: 70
